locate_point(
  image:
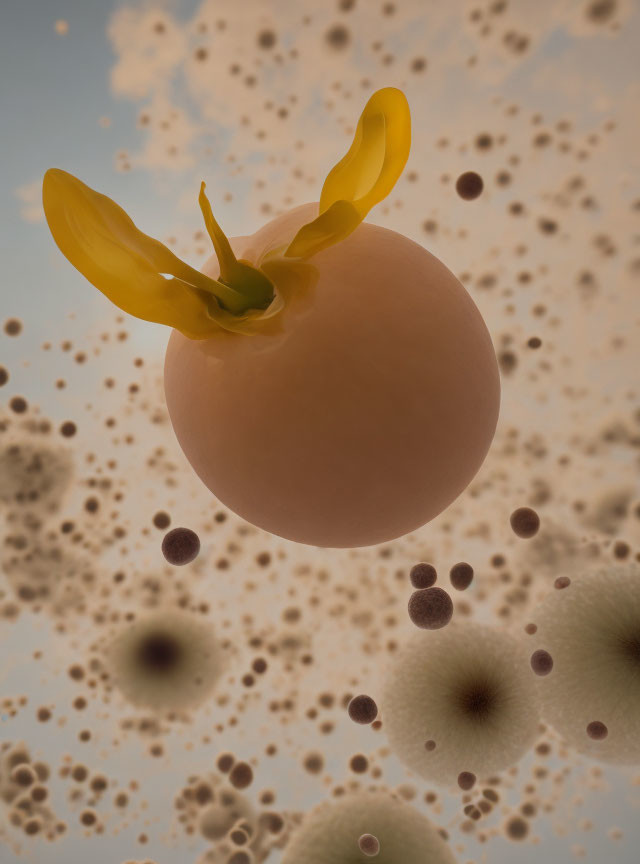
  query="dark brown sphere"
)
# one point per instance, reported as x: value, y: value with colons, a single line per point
x: 181, y: 546
x: 466, y: 780
x: 469, y: 185
x: 461, y: 576
x: 430, y: 608
x: 597, y: 731
x: 541, y: 662
x: 362, y: 709
x: 241, y: 775
x: 525, y: 522
x: 423, y: 575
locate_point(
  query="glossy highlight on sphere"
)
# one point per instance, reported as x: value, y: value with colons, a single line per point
x: 355, y: 415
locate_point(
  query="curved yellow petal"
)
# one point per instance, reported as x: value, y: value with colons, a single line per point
x: 364, y: 176
x: 137, y: 273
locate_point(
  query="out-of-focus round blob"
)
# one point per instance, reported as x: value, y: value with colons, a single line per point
x: 469, y: 185
x: 33, y: 475
x: 592, y: 631
x: 168, y: 660
x: 220, y: 816
x: 466, y: 780
x: 329, y: 834
x: 467, y: 687
x: 355, y: 415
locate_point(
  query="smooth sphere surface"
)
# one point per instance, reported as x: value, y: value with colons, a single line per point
x: 359, y: 412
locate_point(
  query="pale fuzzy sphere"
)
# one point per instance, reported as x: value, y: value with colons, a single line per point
x: 470, y: 689
x: 167, y: 661
x: 331, y: 831
x: 592, y: 631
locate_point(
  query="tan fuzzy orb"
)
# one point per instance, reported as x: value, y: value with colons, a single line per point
x: 167, y: 660
x: 468, y: 688
x: 329, y: 834
x: 592, y: 631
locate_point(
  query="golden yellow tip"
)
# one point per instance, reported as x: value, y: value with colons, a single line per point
x: 364, y: 176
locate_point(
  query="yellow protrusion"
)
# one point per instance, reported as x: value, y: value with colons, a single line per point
x: 363, y: 177
x: 144, y: 278
x: 137, y: 273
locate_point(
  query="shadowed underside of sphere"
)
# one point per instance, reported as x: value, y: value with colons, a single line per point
x: 359, y: 412
x: 592, y: 631
x: 329, y: 834
x: 468, y: 688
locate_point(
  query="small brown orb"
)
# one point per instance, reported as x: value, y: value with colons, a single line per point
x: 274, y: 822
x: 597, y: 731
x: 369, y: 845
x: 225, y: 762
x: 24, y: 775
x: 241, y: 775
x: 32, y: 826
x: 337, y: 37
x: 469, y: 185
x: 39, y: 794
x: 79, y: 773
x: 562, y: 582
x: 466, y: 780
x: 98, y: 783
x: 18, y: 404
x: 13, y: 327
x: 461, y: 576
x: 161, y: 520
x: 430, y: 745
x: 430, y: 608
x: 359, y: 764
x: 541, y: 662
x: 266, y: 39
x: 423, y: 575
x: 484, y: 141
x: 362, y: 709
x: 525, y: 522
x: 88, y: 818
x: 4, y: 376
x: 517, y: 828
x: 181, y: 546
x: 313, y: 763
